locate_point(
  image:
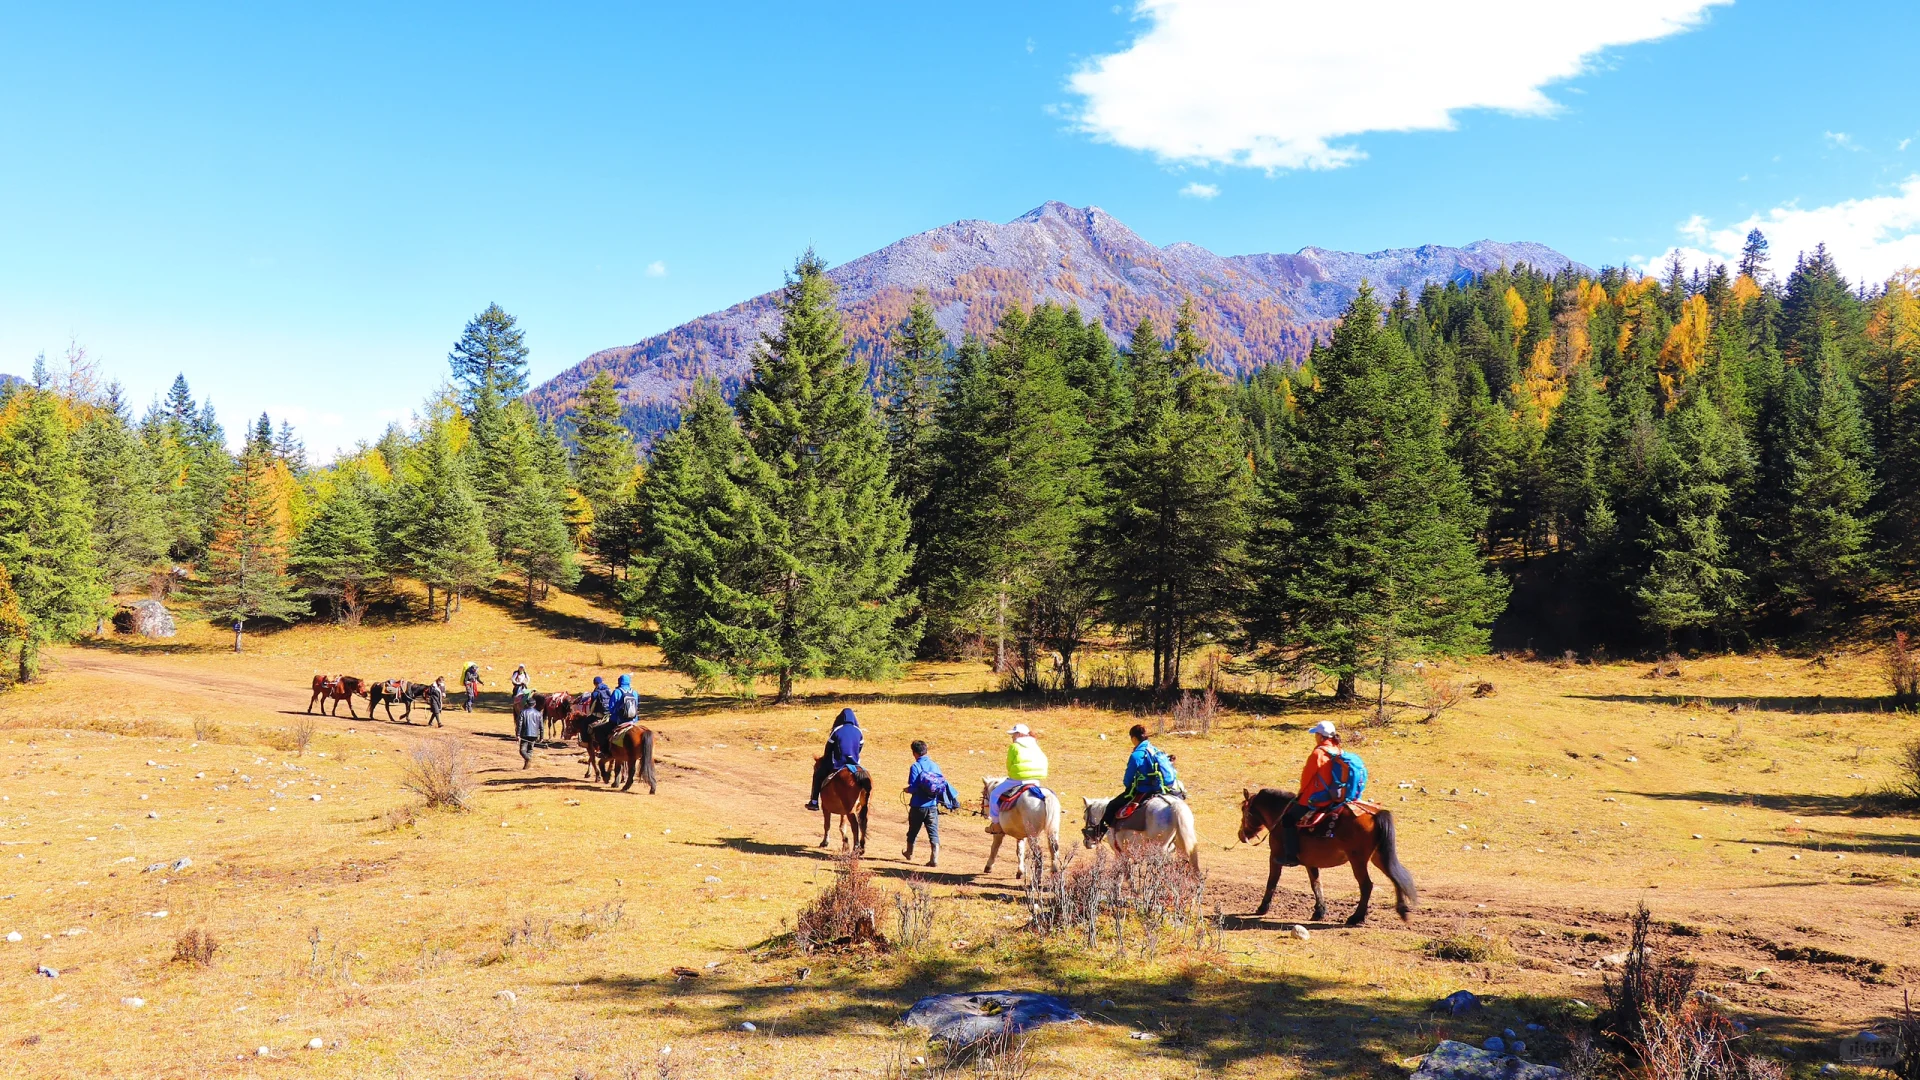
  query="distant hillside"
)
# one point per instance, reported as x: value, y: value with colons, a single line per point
x: 1254, y: 309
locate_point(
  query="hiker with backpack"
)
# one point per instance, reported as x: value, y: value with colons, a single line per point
x: 927, y: 794
x: 1149, y: 773
x: 1331, y: 779
x: 470, y: 678
x: 615, y: 707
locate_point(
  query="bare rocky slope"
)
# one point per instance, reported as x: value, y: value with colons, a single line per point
x: 1253, y: 309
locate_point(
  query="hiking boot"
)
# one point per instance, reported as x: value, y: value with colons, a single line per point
x: 907, y: 855
x: 814, y: 805
x: 935, y: 860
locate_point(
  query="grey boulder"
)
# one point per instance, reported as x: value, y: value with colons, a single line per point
x: 1458, y: 1061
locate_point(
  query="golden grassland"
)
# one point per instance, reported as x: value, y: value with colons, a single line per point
x: 537, y: 935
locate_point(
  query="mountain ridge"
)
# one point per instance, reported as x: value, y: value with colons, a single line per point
x: 1254, y: 309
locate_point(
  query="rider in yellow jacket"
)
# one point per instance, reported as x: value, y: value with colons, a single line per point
x: 1026, y: 763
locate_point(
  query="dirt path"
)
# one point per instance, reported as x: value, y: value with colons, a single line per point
x: 749, y: 800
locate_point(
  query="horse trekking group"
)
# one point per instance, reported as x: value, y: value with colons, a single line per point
x: 1327, y: 823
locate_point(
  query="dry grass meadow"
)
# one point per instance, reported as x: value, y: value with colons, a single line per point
x: 539, y: 933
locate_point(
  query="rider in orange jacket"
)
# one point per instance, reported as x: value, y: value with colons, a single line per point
x: 1317, y: 790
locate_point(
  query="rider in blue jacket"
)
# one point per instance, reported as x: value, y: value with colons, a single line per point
x: 843, y: 749
x: 1149, y: 773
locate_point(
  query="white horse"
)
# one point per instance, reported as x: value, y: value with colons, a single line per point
x: 1162, y: 822
x: 1029, y: 818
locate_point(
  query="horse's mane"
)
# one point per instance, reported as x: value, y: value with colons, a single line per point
x: 1272, y: 797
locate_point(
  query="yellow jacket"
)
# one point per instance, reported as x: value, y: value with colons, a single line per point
x: 1025, y: 759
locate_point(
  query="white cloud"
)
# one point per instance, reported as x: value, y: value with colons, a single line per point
x: 1274, y: 83
x: 1841, y: 139
x: 1198, y: 190
x: 1869, y: 238
x: 656, y: 268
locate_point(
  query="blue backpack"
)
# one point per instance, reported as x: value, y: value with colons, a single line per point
x: 1349, y: 775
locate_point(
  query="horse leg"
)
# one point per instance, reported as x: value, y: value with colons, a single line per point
x: 993, y: 853
x: 1020, y: 857
x: 1273, y: 878
x: 1319, y: 898
x: 1365, y: 881
x: 826, y: 824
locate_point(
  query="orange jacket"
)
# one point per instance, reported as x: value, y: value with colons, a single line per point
x: 1316, y: 779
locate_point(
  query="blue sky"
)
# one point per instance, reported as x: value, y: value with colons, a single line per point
x: 299, y: 208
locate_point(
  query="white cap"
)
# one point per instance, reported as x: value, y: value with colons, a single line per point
x: 1018, y: 729
x: 1323, y: 729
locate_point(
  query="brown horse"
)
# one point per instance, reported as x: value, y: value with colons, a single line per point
x: 386, y: 693
x: 555, y: 708
x: 631, y: 752
x: 848, y: 794
x: 338, y: 688
x: 1357, y: 839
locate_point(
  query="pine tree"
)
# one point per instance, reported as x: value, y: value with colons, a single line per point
x: 260, y: 437
x: 444, y: 540
x: 338, y: 554
x: 1813, y: 520
x: 1753, y: 256
x: 814, y: 538
x: 603, y: 461
x: 129, y: 517
x: 46, y: 529
x: 1365, y: 542
x: 1012, y: 495
x: 289, y: 449
x: 1170, y: 541
x: 910, y: 396
x: 1574, y: 452
x: 1693, y: 579
x: 245, y: 576
x: 491, y: 353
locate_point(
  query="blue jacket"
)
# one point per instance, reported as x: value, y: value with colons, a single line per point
x: 602, y: 700
x: 920, y: 792
x: 1149, y: 772
x: 844, y: 741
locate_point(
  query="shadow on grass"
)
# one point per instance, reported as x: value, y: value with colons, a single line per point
x: 1867, y: 804
x: 1786, y: 703
x: 151, y: 648
x: 1907, y: 844
x: 950, y: 874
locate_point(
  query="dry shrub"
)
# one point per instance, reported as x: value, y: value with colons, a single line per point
x: 195, y: 947
x: 440, y: 771
x: 1139, y: 899
x: 1467, y: 948
x: 1439, y: 693
x: 916, y: 913
x: 1906, y: 1032
x: 1192, y: 714
x: 1697, y: 1042
x: 846, y: 912
x: 204, y: 729
x: 295, y: 735
x: 1645, y: 987
x: 1903, y: 670
x: 404, y: 816
x: 1004, y: 1055
x: 1906, y: 772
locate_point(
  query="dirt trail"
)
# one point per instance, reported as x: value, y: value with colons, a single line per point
x: 749, y: 797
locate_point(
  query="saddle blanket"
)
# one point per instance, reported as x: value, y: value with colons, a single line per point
x: 1013, y: 795
x: 1135, y: 804
x: 1356, y: 807
x: 858, y: 773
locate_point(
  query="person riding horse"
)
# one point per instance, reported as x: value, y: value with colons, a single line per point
x: 842, y: 750
x: 600, y: 709
x: 1324, y: 787
x: 1149, y: 773
x: 1026, y: 764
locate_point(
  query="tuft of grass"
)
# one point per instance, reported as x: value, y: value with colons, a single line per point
x: 195, y: 947
x: 846, y: 912
x: 440, y: 771
x: 1465, y: 948
x: 204, y: 729
x: 294, y: 736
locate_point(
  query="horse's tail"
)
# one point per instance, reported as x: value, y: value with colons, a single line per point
x: 646, y: 761
x: 1406, y: 896
x: 865, y: 783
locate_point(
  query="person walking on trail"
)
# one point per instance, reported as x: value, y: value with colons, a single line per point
x: 927, y: 793
x: 436, y: 700
x: 1026, y: 764
x: 470, y: 678
x: 1330, y: 779
x: 843, y: 749
x: 521, y: 681
x: 1149, y: 773
x: 529, y: 724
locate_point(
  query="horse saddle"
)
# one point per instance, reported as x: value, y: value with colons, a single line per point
x: 854, y: 770
x: 1127, y: 818
x: 1013, y: 794
x: 1313, y: 819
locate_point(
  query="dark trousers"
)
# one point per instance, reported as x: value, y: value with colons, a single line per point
x: 1115, y: 805
x: 526, y: 748
x: 927, y: 816
x: 433, y: 712
x: 821, y: 770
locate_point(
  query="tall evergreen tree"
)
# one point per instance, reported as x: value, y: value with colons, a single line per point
x: 817, y: 542
x: 338, y: 554
x: 1364, y: 544
x: 910, y: 396
x: 1693, y: 579
x: 245, y: 575
x: 129, y: 518
x: 289, y: 449
x: 46, y: 530
x: 444, y: 540
x: 603, y: 461
x: 1753, y: 256
x: 260, y: 436
x: 1170, y: 541
x: 491, y: 353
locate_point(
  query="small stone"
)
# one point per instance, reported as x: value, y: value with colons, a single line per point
x: 747, y: 1026
x: 262, y: 1051
x: 182, y: 863
x: 1519, y: 1047
x: 14, y: 935
x: 1509, y: 1033
x: 1143, y: 1036
x: 1697, y: 836
x: 1495, y: 1044
x: 314, y: 798
x: 711, y: 880
x: 51, y: 973
x: 151, y: 867
x: 1459, y: 1002
x: 1794, y: 858
x: 1106, y: 1003
x: 1301, y: 933
x: 152, y: 813
x: 315, y: 1043
x: 507, y: 996
x: 133, y: 1002
x: 626, y: 836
